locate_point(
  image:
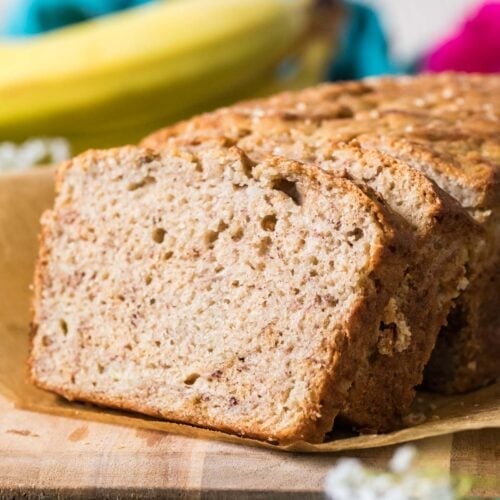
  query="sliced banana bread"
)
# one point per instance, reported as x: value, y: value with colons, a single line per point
x: 467, y: 353
x: 208, y: 289
x: 436, y: 270
x: 453, y: 123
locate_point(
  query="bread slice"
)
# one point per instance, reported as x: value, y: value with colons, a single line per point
x: 205, y: 288
x: 467, y: 166
x: 441, y: 230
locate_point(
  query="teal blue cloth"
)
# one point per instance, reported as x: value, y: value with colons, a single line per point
x: 31, y: 17
x: 363, y: 46
x: 363, y: 49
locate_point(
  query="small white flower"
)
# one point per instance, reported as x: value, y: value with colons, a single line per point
x: 349, y: 479
x: 402, y: 459
x: 343, y: 481
x: 33, y: 152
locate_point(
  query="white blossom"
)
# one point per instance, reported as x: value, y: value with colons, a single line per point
x: 33, y: 152
x: 349, y: 479
x: 402, y: 459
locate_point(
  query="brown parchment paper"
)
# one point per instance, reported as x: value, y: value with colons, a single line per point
x: 23, y: 197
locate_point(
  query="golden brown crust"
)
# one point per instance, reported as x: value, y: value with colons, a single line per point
x: 392, y: 106
x: 463, y: 175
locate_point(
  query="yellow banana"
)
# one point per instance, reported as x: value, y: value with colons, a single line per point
x: 114, y: 79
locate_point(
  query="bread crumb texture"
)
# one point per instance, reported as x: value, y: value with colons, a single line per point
x: 208, y: 289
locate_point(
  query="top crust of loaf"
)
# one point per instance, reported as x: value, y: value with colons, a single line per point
x: 452, y: 95
x: 103, y: 260
x: 452, y: 120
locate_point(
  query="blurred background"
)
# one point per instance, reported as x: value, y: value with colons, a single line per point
x: 412, y: 26
x: 76, y: 74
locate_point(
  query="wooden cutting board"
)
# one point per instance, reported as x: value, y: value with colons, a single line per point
x: 56, y: 456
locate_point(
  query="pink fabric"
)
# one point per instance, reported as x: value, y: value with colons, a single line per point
x: 475, y: 48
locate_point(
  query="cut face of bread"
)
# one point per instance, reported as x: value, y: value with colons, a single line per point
x: 435, y: 277
x: 211, y: 290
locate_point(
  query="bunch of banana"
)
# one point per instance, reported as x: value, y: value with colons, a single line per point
x: 112, y: 80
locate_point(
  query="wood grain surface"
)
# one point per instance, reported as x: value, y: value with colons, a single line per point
x: 42, y: 455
